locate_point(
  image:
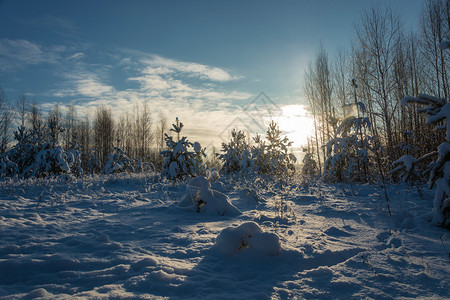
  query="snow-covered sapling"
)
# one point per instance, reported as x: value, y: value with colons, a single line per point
x: 118, y: 162
x: 438, y: 110
x: 182, y: 158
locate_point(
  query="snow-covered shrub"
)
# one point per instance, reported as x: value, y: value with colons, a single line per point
x: 309, y: 164
x: 236, y: 155
x: 143, y: 166
x: 247, y: 236
x: 7, y: 167
x: 201, y: 198
x: 92, y: 162
x: 74, y: 160
x: 182, y: 158
x: 347, y: 155
x: 438, y: 110
x: 118, y: 162
x: 38, y: 154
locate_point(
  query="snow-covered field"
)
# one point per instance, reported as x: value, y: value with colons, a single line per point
x: 126, y: 237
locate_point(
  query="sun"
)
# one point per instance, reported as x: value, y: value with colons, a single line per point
x: 296, y: 123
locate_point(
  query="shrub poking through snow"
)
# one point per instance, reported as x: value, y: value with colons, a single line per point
x: 247, y: 236
x: 309, y: 164
x: 182, y: 158
x: 438, y: 110
x: 201, y: 198
x: 118, y: 162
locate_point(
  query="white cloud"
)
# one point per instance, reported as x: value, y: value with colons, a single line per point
x: 77, y: 55
x: 91, y: 87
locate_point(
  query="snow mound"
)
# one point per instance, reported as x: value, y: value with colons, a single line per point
x: 248, y: 236
x: 201, y: 198
x: 249, y: 195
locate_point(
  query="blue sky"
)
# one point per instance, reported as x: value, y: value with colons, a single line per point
x: 201, y: 60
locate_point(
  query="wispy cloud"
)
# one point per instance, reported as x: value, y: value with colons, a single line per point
x: 19, y: 53
x: 166, y: 65
x: 156, y: 64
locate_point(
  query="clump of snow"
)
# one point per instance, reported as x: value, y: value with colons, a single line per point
x: 248, y: 236
x: 212, y: 175
x: 201, y: 198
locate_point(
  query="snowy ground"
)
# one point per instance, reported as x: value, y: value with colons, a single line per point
x: 125, y: 237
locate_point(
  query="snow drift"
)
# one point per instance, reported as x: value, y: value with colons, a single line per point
x: 247, y: 236
x: 201, y: 198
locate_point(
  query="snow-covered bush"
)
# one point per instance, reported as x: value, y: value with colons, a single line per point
x: 347, y: 154
x: 38, y: 154
x: 118, y: 162
x: 182, y: 158
x: 438, y: 110
x: 143, y: 166
x: 248, y: 236
x: 199, y: 197
x: 236, y: 155
x: 7, y: 167
x: 309, y: 164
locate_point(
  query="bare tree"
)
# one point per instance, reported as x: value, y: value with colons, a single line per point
x: 144, y: 135
x: 54, y: 121
x: 378, y: 36
x: 21, y: 110
x: 434, y: 29
x: 103, y: 132
x: 318, y: 88
x: 70, y: 124
x: 5, y: 122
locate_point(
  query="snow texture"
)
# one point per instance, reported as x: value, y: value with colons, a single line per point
x: 123, y: 236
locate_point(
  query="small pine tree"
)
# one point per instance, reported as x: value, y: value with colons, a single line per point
x: 182, y: 158
x: 280, y: 161
x: 271, y: 158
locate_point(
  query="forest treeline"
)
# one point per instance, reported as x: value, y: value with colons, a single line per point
x: 385, y: 63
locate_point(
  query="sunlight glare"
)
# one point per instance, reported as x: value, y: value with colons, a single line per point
x: 296, y: 123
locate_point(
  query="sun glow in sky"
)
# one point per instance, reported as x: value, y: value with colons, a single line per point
x: 296, y: 123
x: 201, y: 61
